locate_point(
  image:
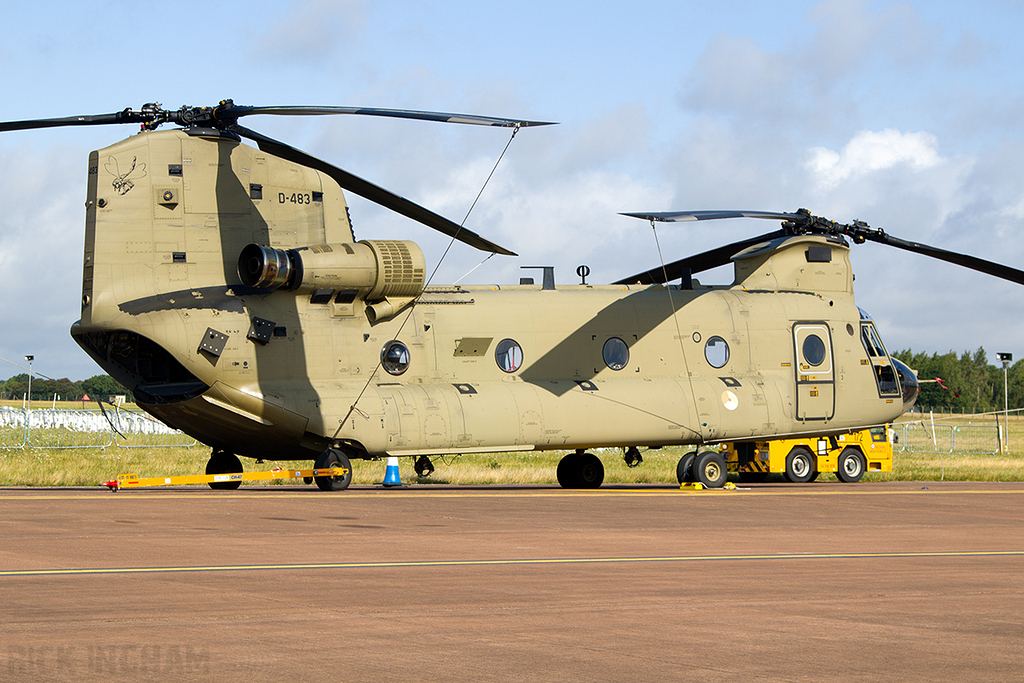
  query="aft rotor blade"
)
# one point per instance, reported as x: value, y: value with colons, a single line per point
x: 698, y: 262
x: 972, y: 262
x: 374, y: 193
x: 442, y: 117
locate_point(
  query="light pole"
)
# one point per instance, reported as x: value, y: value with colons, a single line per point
x: 28, y: 408
x: 1006, y: 358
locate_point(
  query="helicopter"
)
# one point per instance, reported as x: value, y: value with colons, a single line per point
x: 224, y: 286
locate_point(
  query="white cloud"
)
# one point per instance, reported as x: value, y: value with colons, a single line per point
x: 871, y: 151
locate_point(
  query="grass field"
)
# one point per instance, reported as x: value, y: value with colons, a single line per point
x: 90, y: 466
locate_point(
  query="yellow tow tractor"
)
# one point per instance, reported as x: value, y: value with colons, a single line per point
x: 848, y: 455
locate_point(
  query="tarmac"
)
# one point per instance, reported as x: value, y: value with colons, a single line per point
x: 909, y: 581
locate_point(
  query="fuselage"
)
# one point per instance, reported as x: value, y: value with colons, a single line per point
x: 288, y: 371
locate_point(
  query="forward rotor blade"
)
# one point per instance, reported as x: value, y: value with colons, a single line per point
x: 374, y: 193
x: 972, y: 262
x: 684, y: 216
x: 227, y: 113
x: 393, y: 113
x: 698, y: 262
x: 91, y: 120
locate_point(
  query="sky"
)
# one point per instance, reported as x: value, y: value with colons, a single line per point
x: 906, y: 115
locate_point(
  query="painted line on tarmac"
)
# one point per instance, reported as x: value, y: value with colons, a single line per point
x: 525, y: 492
x: 502, y: 563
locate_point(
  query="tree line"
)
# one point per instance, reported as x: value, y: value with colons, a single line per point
x: 969, y: 383
x: 99, y: 387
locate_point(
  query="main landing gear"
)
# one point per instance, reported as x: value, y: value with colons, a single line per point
x: 707, y: 468
x: 333, y: 457
x: 580, y: 470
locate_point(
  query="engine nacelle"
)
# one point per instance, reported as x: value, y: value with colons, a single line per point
x: 373, y: 269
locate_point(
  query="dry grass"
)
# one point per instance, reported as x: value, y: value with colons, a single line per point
x: 90, y: 466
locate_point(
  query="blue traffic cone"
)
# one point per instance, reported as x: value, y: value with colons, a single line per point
x: 391, y: 477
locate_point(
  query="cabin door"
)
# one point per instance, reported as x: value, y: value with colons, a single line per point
x: 815, y: 371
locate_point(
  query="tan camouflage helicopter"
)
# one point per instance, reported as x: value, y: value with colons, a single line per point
x: 223, y: 285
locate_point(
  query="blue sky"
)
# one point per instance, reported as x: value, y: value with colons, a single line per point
x: 906, y: 115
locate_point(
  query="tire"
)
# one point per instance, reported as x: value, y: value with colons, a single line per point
x: 580, y: 471
x: 800, y: 466
x: 710, y: 470
x: 851, y: 465
x: 332, y: 457
x: 684, y: 468
x: 590, y: 474
x: 567, y: 471
x: 223, y: 462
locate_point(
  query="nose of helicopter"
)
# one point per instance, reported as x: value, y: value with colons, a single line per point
x: 909, y: 387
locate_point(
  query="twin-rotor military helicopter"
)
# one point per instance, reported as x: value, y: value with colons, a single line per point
x: 223, y: 285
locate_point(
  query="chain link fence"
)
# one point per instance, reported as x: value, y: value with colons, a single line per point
x: 60, y: 428
x: 921, y: 437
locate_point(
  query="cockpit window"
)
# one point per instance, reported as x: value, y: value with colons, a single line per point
x: 885, y: 375
x: 871, y: 341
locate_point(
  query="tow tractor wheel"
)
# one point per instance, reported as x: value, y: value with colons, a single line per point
x: 332, y: 457
x: 224, y: 462
x: 800, y: 466
x: 709, y: 469
x: 580, y: 471
x: 851, y: 465
x: 684, y: 468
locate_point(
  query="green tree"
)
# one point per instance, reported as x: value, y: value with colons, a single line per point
x: 970, y: 383
x: 14, y: 388
x: 102, y: 387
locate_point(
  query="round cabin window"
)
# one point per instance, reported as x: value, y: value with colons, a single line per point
x: 616, y: 353
x: 716, y: 351
x: 509, y: 355
x: 395, y: 357
x: 814, y: 350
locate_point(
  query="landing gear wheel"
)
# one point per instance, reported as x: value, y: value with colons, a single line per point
x: 851, y: 465
x: 709, y: 469
x: 332, y: 457
x: 684, y: 468
x: 632, y: 457
x: 566, y: 472
x: 800, y: 465
x: 223, y: 462
x: 580, y: 471
x: 591, y: 471
x: 423, y: 466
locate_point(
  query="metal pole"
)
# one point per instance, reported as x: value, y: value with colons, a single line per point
x: 28, y: 405
x: 1006, y: 358
x: 1006, y: 408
